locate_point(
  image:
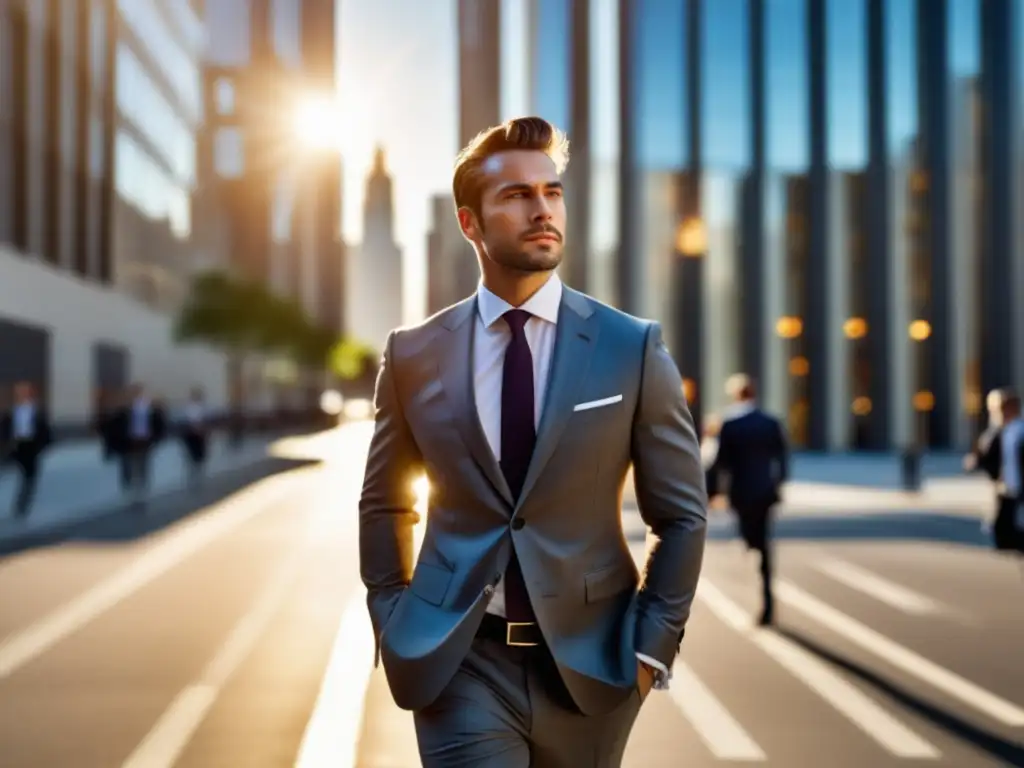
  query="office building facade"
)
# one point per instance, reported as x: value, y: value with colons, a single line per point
x: 99, y: 108
x: 479, y: 62
x: 281, y: 199
x: 846, y: 206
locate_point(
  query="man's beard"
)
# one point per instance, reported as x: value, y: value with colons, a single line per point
x: 514, y: 256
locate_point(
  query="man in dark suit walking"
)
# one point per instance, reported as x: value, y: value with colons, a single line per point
x: 752, y: 462
x: 24, y: 435
x: 522, y: 638
x: 138, y: 428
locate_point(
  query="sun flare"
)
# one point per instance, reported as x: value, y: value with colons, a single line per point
x: 318, y: 123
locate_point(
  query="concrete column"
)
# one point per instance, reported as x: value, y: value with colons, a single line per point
x: 69, y: 129
x: 936, y: 360
x: 775, y: 387
x: 879, y: 215
x: 837, y: 311
x: 36, y: 124
x: 816, y: 279
x: 752, y: 274
x: 1017, y: 164
x: 1001, y: 339
x: 900, y: 381
x: 965, y: 332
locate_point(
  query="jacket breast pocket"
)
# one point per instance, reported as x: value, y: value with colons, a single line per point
x: 431, y: 582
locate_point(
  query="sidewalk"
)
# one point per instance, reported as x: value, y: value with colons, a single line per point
x: 76, y: 484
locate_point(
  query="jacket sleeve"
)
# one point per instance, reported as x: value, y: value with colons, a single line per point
x: 672, y: 498
x: 387, y: 505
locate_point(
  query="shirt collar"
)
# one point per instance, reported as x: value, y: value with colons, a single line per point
x: 543, y: 304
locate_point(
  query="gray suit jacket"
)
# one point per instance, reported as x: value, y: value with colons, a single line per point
x: 582, y: 581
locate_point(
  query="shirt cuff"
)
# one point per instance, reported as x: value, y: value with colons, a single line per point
x: 662, y: 676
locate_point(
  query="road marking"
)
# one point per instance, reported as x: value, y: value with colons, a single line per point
x: 899, y: 656
x: 18, y: 649
x: 848, y: 700
x: 332, y: 734
x: 710, y: 719
x: 879, y: 588
x: 165, y: 742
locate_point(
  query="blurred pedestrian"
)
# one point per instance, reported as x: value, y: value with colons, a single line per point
x: 753, y: 459
x: 708, y: 452
x: 987, y: 457
x: 1012, y: 445
x: 139, y: 427
x: 195, y: 435
x: 25, y: 433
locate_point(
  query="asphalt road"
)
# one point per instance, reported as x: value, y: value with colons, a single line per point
x: 237, y: 636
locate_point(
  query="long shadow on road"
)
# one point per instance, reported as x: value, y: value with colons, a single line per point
x: 993, y: 744
x: 120, y: 522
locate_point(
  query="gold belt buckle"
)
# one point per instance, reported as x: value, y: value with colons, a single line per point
x: 508, y: 634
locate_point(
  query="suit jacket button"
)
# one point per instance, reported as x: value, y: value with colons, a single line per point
x: 518, y: 524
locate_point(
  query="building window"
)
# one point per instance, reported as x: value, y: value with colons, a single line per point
x: 178, y: 65
x: 148, y: 188
x: 228, y: 153
x: 224, y: 96
x: 140, y: 101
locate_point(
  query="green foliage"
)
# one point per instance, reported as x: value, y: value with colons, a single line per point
x: 243, y: 317
x: 348, y: 359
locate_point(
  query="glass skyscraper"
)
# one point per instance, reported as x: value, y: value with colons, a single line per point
x: 827, y: 195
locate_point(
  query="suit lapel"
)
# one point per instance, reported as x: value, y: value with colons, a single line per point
x: 455, y: 369
x: 575, y: 339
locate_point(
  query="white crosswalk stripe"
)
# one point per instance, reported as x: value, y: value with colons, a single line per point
x: 714, y: 725
x: 884, y: 590
x: 950, y: 683
x: 875, y: 722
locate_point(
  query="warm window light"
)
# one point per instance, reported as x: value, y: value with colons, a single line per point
x: 861, y: 406
x: 799, y: 366
x: 924, y: 401
x: 972, y: 401
x: 317, y: 123
x: 689, y: 390
x: 789, y: 327
x: 920, y: 330
x: 855, y: 328
x: 691, y: 239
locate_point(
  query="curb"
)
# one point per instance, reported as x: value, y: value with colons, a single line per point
x: 160, y: 503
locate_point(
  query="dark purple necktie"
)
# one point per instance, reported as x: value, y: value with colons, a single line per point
x: 518, y: 435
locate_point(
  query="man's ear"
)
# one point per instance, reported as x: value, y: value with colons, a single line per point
x: 468, y: 223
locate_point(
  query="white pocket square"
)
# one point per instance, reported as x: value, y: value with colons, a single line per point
x: 598, y: 403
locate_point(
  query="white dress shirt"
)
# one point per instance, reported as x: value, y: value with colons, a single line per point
x: 1012, y: 436
x: 194, y: 414
x: 491, y: 337
x: 23, y: 423
x: 140, y: 419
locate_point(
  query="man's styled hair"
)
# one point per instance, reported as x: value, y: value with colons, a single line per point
x: 740, y: 386
x: 530, y: 133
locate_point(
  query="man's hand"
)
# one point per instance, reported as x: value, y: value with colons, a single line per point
x: 644, y: 679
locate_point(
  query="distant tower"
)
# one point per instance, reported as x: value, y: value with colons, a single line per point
x: 374, y: 300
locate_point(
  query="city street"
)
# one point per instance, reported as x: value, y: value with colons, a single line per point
x: 237, y: 636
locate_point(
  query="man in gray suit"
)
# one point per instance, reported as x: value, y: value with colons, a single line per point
x: 521, y: 637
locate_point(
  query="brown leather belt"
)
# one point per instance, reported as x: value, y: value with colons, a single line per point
x: 511, y: 633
